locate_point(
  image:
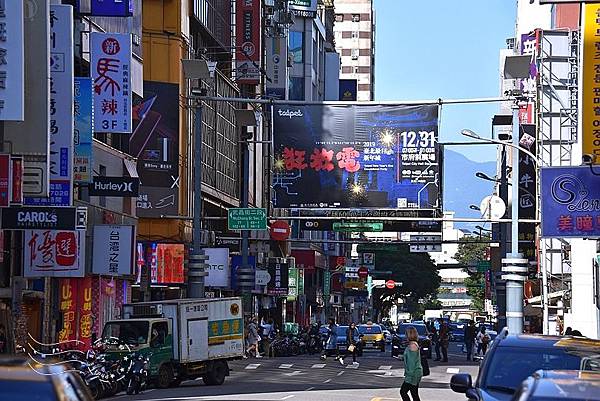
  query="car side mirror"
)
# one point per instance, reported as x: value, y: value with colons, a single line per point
x: 461, y: 383
x: 472, y: 395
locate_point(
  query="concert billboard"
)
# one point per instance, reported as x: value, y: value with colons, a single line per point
x: 356, y: 156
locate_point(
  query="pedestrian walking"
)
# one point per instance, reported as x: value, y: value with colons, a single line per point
x: 435, y: 339
x: 470, y: 334
x: 331, y: 346
x: 353, y: 337
x: 483, y: 339
x: 267, y: 332
x: 413, y: 370
x: 253, y: 339
x: 444, y: 340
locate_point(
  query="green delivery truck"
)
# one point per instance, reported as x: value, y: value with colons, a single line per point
x: 185, y: 338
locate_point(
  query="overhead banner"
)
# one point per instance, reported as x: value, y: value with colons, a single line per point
x: 277, y: 68
x: 591, y: 83
x: 113, y: 250
x: 527, y: 191
x: 570, y: 202
x: 112, y: 8
x: 61, y: 109
x: 248, y: 42
x: 155, y: 144
x: 82, y: 138
x: 12, y: 68
x: 355, y: 156
x: 54, y: 253
x: 111, y: 72
x: 219, y: 273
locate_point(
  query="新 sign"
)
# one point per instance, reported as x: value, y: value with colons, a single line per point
x: 54, y: 253
x: 570, y: 202
x: 110, y: 66
x: 113, y: 250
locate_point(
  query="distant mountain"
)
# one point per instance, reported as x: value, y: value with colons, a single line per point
x: 461, y: 187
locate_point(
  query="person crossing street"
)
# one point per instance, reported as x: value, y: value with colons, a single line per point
x: 331, y: 345
x: 353, y: 337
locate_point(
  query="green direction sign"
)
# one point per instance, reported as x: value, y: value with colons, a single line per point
x: 483, y: 266
x: 247, y: 218
x: 300, y: 281
x: 327, y: 284
x: 292, y: 284
x: 358, y: 227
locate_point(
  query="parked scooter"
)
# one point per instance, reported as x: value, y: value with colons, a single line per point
x: 137, y: 374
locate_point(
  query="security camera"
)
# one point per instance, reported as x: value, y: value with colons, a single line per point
x: 587, y: 159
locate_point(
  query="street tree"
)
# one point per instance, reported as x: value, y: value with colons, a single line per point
x: 468, y: 254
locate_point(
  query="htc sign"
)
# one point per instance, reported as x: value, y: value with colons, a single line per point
x: 115, y: 186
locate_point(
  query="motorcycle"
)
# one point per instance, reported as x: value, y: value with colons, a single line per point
x: 137, y: 374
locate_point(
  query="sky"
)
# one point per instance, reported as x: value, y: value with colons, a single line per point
x: 449, y: 49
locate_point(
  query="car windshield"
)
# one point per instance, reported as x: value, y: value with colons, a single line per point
x: 511, y: 365
x: 369, y: 329
x: 421, y: 329
x: 27, y: 391
x: 130, y: 332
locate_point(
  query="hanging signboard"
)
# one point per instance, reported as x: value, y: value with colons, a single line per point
x: 82, y: 138
x: 570, y: 202
x: 12, y: 67
x: 113, y: 250
x: 527, y: 191
x: 54, y: 253
x: 110, y: 67
x: 279, y: 271
x: 248, y: 42
x: 354, y: 156
x: 218, y: 267
x: 120, y: 187
x: 16, y: 167
x: 112, y: 8
x: 4, y: 180
x: 277, y: 68
x: 590, y: 120
x: 43, y: 218
x: 75, y: 305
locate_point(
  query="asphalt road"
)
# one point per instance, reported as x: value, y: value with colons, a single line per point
x: 307, y: 378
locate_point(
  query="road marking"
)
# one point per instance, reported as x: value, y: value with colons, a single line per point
x: 310, y: 388
x: 294, y: 373
x: 340, y: 373
x: 385, y: 367
x: 287, y: 397
x: 286, y: 365
x: 253, y: 366
x: 318, y: 366
x: 352, y: 366
x: 452, y: 370
x: 327, y: 381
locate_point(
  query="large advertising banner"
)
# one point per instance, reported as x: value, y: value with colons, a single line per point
x: 248, y: 42
x: 53, y: 253
x: 155, y: 144
x: 111, y: 72
x: 527, y: 191
x: 12, y: 69
x: 590, y: 119
x: 82, y: 137
x: 164, y: 260
x: 570, y: 202
x: 353, y: 156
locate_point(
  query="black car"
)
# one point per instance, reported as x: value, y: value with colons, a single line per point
x: 399, y: 341
x: 513, y: 358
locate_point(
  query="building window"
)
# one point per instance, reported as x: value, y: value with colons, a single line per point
x: 354, y: 53
x: 355, y: 35
x: 355, y: 69
x: 339, y: 18
x: 296, y: 88
x: 355, y: 17
x: 296, y: 46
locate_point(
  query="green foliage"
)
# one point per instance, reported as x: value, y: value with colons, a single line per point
x: 469, y: 253
x: 417, y: 273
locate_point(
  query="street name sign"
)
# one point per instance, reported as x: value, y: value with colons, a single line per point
x: 358, y: 227
x: 247, y: 219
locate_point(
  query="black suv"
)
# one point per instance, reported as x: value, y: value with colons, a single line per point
x: 513, y: 358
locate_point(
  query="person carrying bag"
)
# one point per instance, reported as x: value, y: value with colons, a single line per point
x: 352, y: 337
x: 413, y: 368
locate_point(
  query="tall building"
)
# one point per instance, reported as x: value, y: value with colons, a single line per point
x: 355, y: 41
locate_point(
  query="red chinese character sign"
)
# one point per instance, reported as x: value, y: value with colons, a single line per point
x: 375, y: 156
x: 75, y: 305
x: 111, y: 79
x: 52, y: 253
x: 570, y: 202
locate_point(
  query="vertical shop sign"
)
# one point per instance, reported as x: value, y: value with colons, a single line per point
x: 279, y: 272
x: 12, y: 54
x: 527, y: 191
x: 4, y: 179
x: 277, y: 68
x: 54, y: 253
x: 591, y: 82
x: 111, y: 75
x: 82, y: 136
x: 293, y: 284
x: 300, y: 281
x: 61, y: 109
x: 84, y: 311
x: 16, y: 197
x: 68, y: 308
x: 248, y: 42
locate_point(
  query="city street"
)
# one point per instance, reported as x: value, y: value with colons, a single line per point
x: 307, y: 378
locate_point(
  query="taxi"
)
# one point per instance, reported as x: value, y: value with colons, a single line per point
x: 372, y: 336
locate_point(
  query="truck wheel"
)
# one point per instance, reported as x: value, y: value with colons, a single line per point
x: 216, y: 376
x: 165, y: 376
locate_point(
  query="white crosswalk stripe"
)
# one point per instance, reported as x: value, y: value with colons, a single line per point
x: 318, y: 366
x: 452, y: 370
x: 286, y: 365
x: 385, y: 367
x: 352, y: 366
x: 252, y: 366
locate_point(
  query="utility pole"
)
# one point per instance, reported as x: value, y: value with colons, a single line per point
x: 500, y: 286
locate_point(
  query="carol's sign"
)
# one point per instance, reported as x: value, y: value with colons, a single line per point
x: 570, y: 202
x: 43, y: 218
